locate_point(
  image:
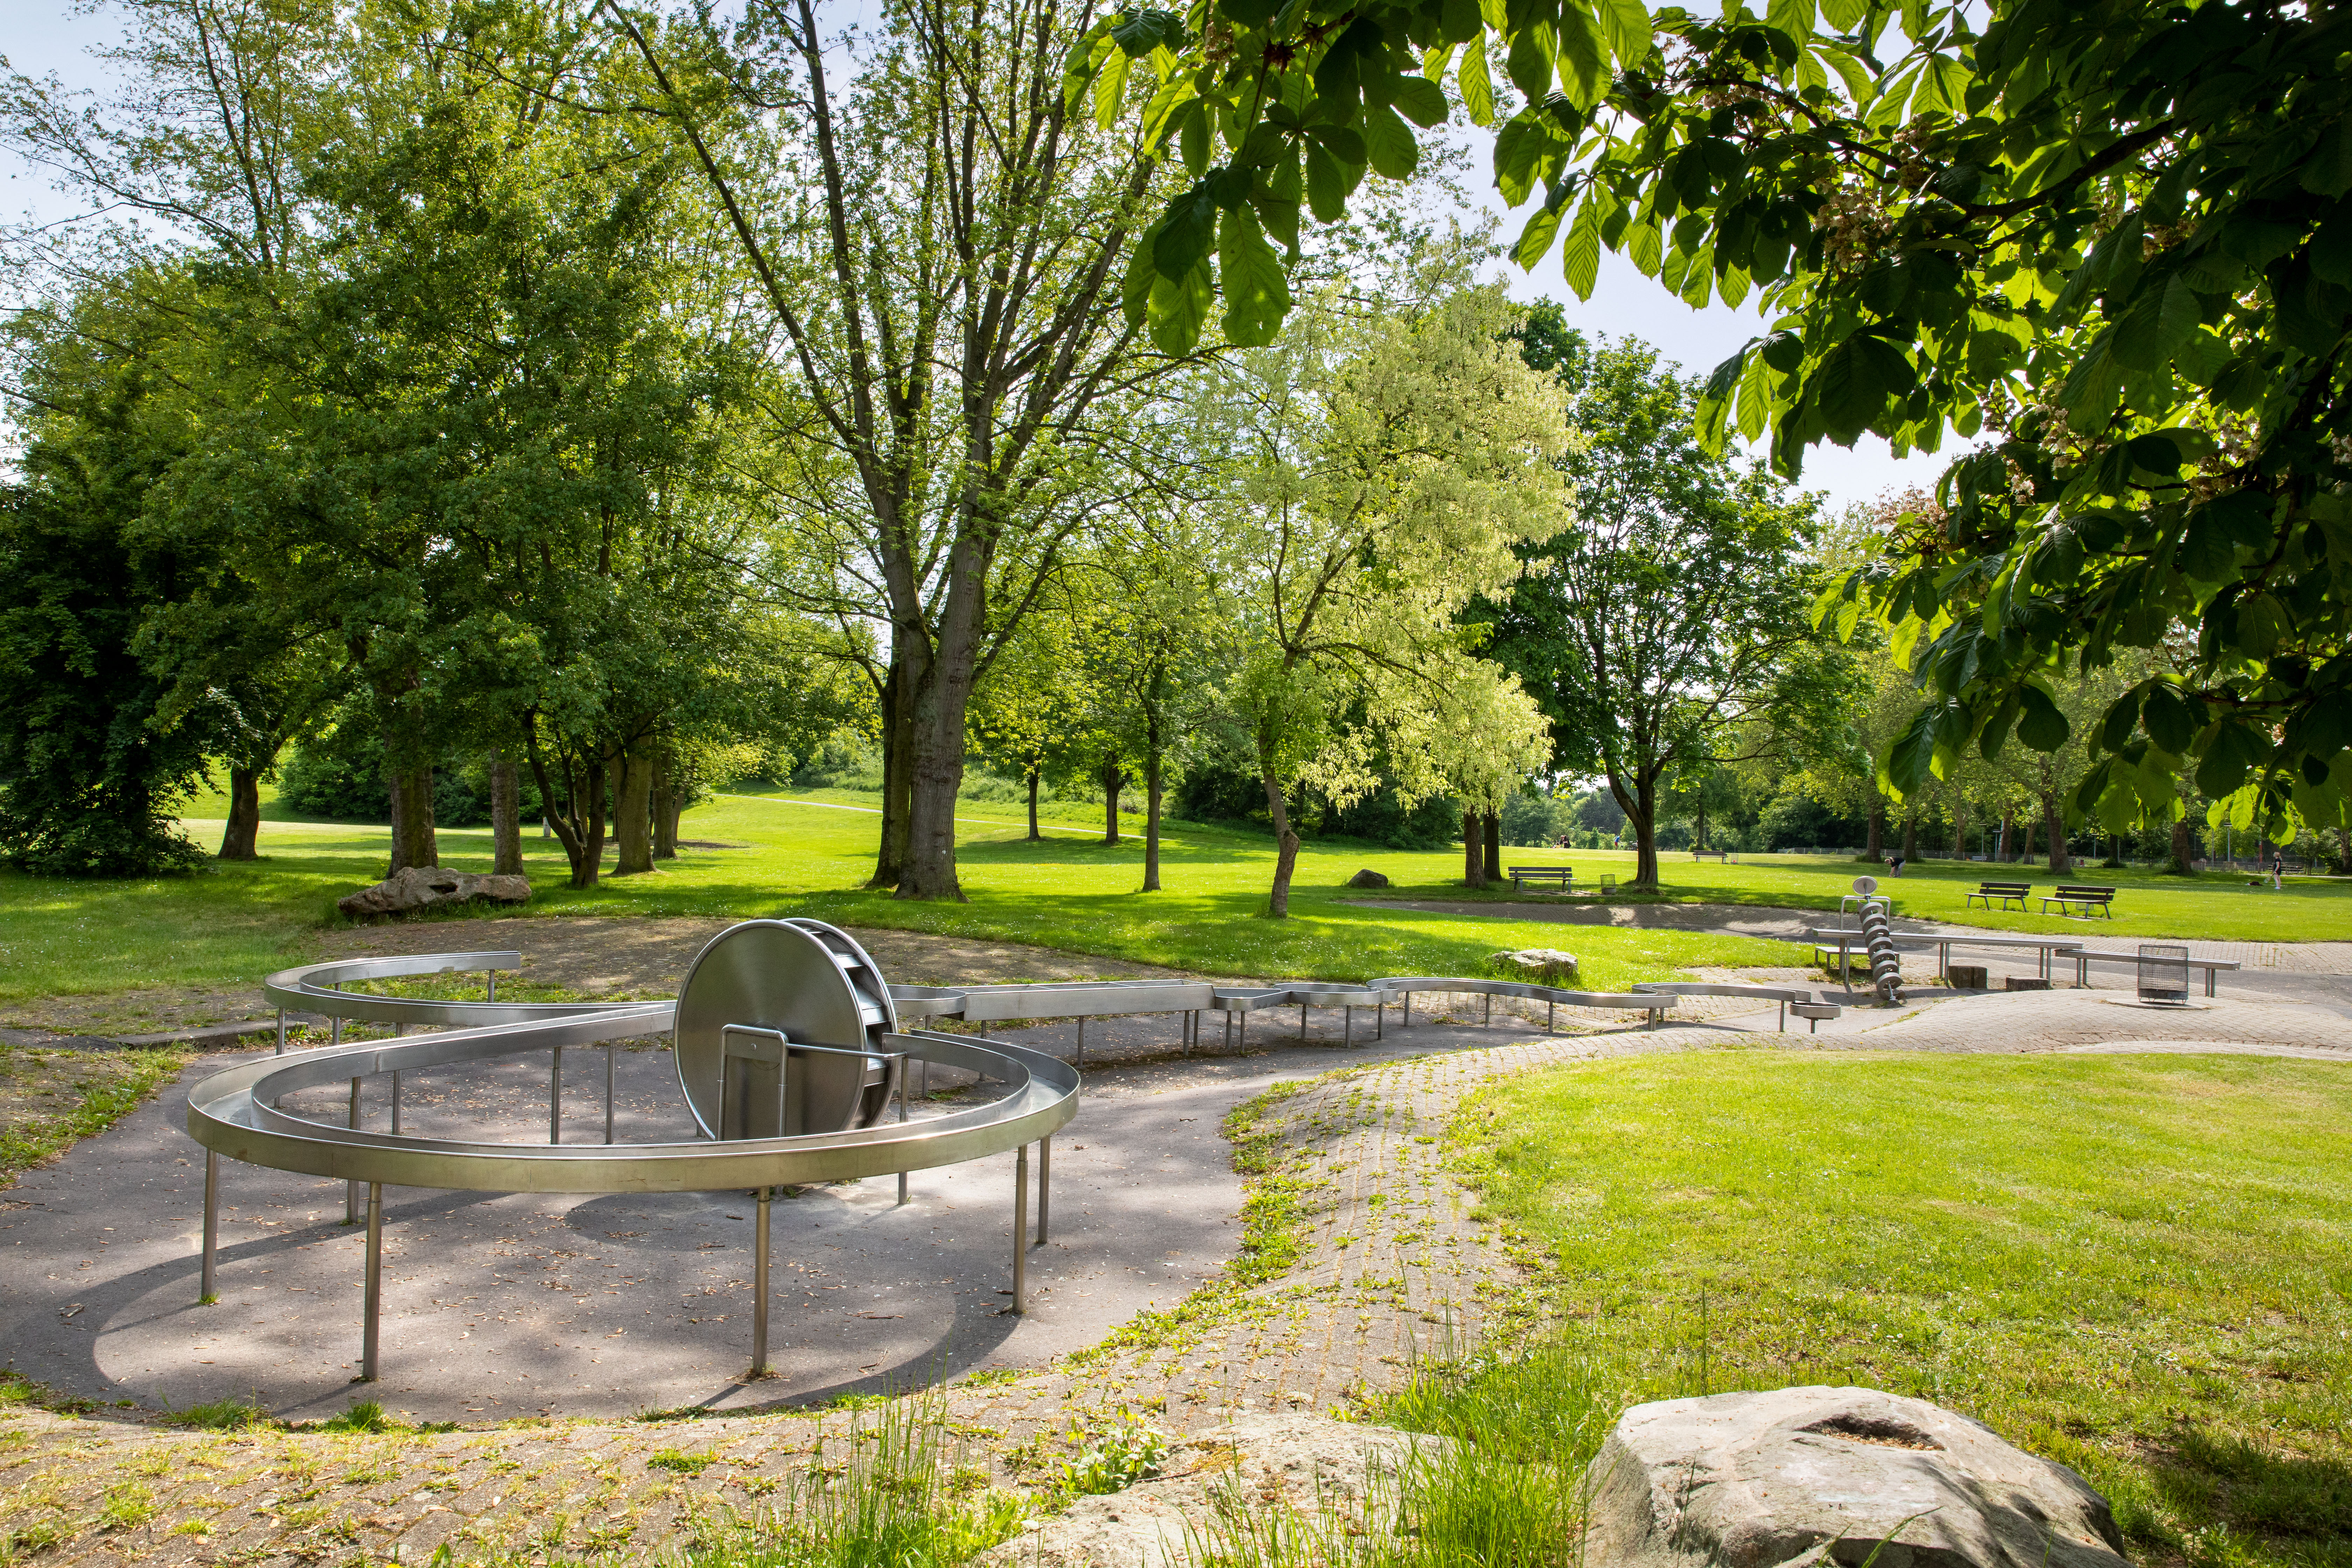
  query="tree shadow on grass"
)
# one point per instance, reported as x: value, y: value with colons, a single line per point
x: 2225, y: 1478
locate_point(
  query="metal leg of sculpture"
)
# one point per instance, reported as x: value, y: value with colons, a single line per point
x: 205, y: 1293
x: 1381, y: 1021
x: 1302, y: 1022
x: 395, y: 1102
x: 902, y: 1116
x: 1408, y: 1011
x: 610, y: 1047
x: 1020, y: 1230
x: 760, y: 1287
x: 1348, y: 1027
x: 555, y: 1099
x: 373, y: 1307
x: 1082, y: 1042
x: 1488, y: 1017
x: 352, y: 1189
x: 493, y: 978
x: 1045, y: 1183
x: 1784, y: 1017
x: 1227, y: 1043
x: 281, y: 1031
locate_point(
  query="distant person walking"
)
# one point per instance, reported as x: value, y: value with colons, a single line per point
x: 2278, y: 869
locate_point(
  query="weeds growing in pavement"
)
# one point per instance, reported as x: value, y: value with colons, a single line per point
x: 886, y: 1495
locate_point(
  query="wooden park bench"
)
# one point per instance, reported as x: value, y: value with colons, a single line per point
x: 1560, y: 877
x: 2070, y: 895
x: 1713, y: 855
x: 2006, y: 893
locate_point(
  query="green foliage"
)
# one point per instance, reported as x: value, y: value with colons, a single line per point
x: 2105, y: 242
x: 91, y: 770
x: 1112, y: 1458
x: 103, y: 1094
x: 222, y: 1415
x: 1672, y: 615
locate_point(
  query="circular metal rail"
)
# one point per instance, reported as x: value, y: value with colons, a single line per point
x: 238, y: 1112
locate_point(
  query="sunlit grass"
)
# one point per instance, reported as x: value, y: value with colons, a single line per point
x: 2137, y: 1266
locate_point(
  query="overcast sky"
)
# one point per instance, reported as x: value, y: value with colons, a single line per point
x: 46, y: 35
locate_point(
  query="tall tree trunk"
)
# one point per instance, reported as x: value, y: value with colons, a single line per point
x: 898, y: 778
x: 1644, y: 820
x: 940, y: 689
x: 1152, y: 791
x: 1874, y: 848
x: 1034, y: 836
x: 1286, y: 842
x: 2007, y: 848
x: 1911, y: 836
x: 1698, y: 838
x: 668, y: 804
x: 2025, y: 841
x: 633, y: 821
x: 242, y: 831
x: 579, y: 822
x: 2061, y: 862
x: 1114, y: 773
x: 2184, y: 851
x: 413, y: 842
x: 506, y: 817
x: 1490, y: 837
x: 1474, y: 849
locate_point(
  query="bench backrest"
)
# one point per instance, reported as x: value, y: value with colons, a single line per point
x: 2004, y: 887
x: 2066, y: 889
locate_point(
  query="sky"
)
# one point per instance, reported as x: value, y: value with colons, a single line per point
x: 46, y: 35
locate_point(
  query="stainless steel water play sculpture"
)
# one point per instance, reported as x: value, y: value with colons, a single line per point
x: 790, y: 1055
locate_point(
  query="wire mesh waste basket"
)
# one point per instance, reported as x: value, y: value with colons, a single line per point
x: 2164, y: 973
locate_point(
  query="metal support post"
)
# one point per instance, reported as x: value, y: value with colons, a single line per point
x: 1552, y: 1013
x: 1302, y: 1022
x: 396, y: 1101
x: 1381, y: 1021
x: 610, y: 1046
x: 352, y: 1189
x: 1082, y: 1041
x: 373, y: 1307
x: 1488, y: 1017
x: 1245, y: 1031
x: 1020, y: 1230
x: 902, y: 1116
x: 1227, y: 1043
x: 760, y: 1287
x: 1408, y: 1011
x: 493, y: 978
x: 1044, y: 1182
x: 1348, y: 1024
x: 205, y: 1295
x: 281, y: 1031
x: 555, y: 1098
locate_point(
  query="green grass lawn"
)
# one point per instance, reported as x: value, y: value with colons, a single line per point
x: 232, y: 923
x: 2139, y: 1266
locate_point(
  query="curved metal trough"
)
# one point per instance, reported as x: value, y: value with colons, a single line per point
x: 780, y: 1024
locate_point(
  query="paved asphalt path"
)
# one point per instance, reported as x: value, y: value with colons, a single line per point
x: 531, y: 1303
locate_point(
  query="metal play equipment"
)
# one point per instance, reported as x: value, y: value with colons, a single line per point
x: 791, y: 1057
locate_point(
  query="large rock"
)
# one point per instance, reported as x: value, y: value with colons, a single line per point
x: 1367, y: 878
x: 1321, y: 1468
x: 424, y: 887
x: 1817, y: 1476
x: 1536, y: 965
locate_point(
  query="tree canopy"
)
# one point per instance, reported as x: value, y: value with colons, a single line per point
x: 2104, y: 244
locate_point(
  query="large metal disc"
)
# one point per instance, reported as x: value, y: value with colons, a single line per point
x: 769, y: 974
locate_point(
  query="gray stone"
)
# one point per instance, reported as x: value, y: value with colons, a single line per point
x: 425, y: 887
x: 2024, y: 982
x: 1801, y: 1477
x: 1367, y: 878
x: 1337, y: 1476
x: 1536, y: 965
x: 1967, y: 977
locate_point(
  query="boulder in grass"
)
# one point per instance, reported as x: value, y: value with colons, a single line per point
x: 1826, y: 1478
x: 1536, y: 965
x: 429, y: 887
x: 1367, y: 878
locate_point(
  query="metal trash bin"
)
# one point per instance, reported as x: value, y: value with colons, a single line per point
x: 2164, y: 973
